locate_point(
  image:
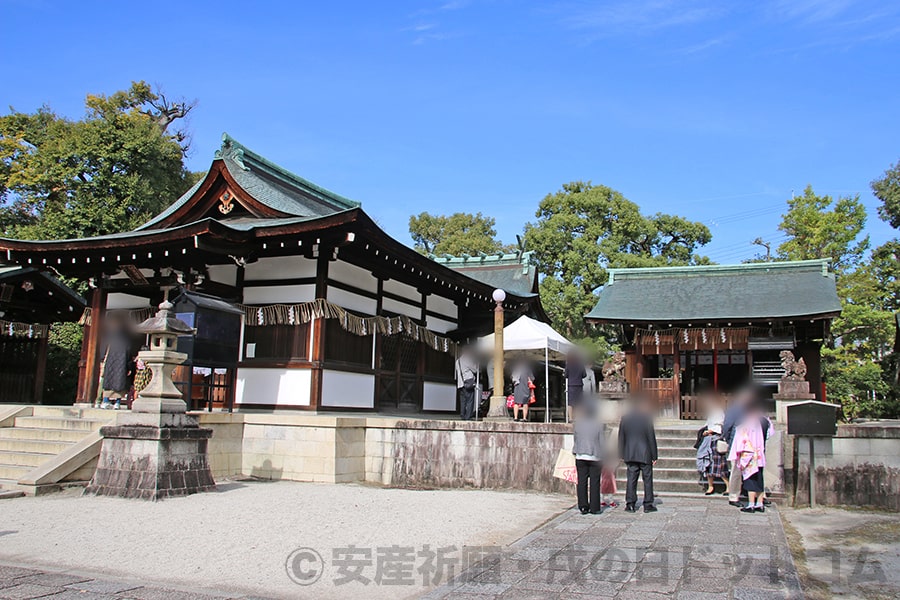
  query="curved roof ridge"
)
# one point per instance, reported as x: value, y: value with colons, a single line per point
x: 240, y: 154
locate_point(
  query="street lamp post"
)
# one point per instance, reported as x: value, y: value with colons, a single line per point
x: 498, y: 411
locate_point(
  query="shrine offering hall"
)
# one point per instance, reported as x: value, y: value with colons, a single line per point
x: 717, y: 327
x: 299, y: 300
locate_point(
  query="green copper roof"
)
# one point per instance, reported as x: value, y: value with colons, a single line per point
x: 716, y: 292
x: 269, y: 184
x: 513, y: 272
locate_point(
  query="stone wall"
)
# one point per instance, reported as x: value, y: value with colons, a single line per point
x: 858, y: 467
x: 295, y: 447
x: 386, y: 451
x: 457, y: 454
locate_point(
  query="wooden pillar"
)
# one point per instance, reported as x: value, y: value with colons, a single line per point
x: 92, y: 347
x: 317, y: 331
x: 41, y: 367
x: 639, y: 362
x: 676, y: 379
x: 715, y: 369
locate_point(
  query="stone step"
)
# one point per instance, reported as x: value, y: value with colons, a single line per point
x: 668, y: 474
x: 24, y: 459
x: 41, y: 434
x: 676, y: 462
x: 32, y: 445
x: 675, y: 442
x: 14, y: 472
x: 676, y: 452
x: 73, y: 424
x: 71, y: 412
x: 8, y: 484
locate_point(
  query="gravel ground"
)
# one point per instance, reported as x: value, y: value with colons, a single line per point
x: 238, y: 540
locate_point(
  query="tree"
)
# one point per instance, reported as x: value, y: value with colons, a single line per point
x: 887, y: 189
x: 107, y: 172
x: 819, y: 227
x: 456, y: 234
x: 584, y: 229
x: 861, y: 337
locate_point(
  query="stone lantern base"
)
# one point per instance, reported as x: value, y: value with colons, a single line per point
x: 152, y: 457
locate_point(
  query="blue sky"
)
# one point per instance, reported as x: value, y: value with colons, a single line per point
x: 712, y: 110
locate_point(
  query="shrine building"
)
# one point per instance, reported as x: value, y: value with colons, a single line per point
x: 685, y: 329
x: 299, y: 299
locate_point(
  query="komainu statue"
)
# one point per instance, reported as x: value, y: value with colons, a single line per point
x: 794, y: 370
x: 614, y: 369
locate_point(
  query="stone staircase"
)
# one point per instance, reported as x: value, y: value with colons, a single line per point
x: 34, y: 438
x: 676, y: 470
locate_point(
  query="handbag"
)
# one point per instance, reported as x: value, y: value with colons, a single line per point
x: 722, y: 446
x: 510, y: 401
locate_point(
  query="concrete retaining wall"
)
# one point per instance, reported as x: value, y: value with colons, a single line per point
x: 859, y: 467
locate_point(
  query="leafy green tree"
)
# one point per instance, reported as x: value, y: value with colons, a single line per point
x: 107, y: 172
x: 857, y: 383
x: 819, y: 227
x: 887, y: 189
x: 584, y: 229
x: 861, y: 337
x: 456, y: 234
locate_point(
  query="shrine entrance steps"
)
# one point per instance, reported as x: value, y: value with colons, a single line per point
x: 44, y: 448
x: 676, y: 470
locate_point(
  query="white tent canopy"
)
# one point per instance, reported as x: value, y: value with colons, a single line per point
x: 538, y: 341
x: 526, y: 334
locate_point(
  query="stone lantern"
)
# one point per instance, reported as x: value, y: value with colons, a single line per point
x: 156, y: 450
x: 161, y: 396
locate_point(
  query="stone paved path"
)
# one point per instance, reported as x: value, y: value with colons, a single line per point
x: 692, y: 549
x: 21, y: 583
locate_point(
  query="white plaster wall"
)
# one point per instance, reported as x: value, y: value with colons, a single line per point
x: 348, y: 390
x: 352, y: 301
x: 280, y: 267
x: 120, y: 301
x: 439, y: 325
x: 283, y: 387
x: 401, y: 308
x: 352, y: 275
x: 439, y: 396
x: 226, y: 274
x: 401, y: 289
x: 283, y: 293
x: 442, y: 305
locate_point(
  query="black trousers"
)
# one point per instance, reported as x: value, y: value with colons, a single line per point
x: 645, y: 470
x: 467, y: 401
x: 588, y: 486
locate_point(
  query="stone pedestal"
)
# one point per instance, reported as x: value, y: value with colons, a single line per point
x: 497, y: 410
x: 790, y: 392
x: 152, y: 462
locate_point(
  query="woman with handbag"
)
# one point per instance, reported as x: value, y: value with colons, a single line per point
x: 523, y: 386
x: 711, y: 460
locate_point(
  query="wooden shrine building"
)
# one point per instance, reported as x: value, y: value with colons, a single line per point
x: 717, y: 327
x: 299, y: 299
x: 30, y: 300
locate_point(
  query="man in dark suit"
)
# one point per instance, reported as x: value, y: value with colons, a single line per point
x: 637, y: 447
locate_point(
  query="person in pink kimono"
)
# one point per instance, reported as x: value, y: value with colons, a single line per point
x: 748, y: 453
